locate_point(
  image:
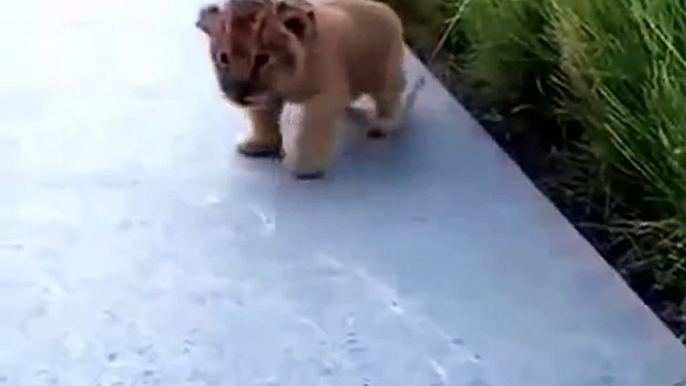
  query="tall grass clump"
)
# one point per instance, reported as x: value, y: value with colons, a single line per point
x: 614, y: 73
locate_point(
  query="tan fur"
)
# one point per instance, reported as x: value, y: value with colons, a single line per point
x: 322, y: 55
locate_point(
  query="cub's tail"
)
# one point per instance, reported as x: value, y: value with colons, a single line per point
x: 410, y: 95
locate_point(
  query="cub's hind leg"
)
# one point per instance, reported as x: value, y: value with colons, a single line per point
x: 264, y: 139
x: 388, y: 101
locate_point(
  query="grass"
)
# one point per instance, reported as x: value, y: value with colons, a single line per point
x: 593, y: 96
x: 609, y: 80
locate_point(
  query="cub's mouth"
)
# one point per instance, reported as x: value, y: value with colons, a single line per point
x: 260, y: 99
x: 263, y: 99
x: 246, y: 94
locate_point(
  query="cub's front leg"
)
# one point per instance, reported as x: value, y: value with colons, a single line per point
x: 264, y: 139
x: 314, y: 147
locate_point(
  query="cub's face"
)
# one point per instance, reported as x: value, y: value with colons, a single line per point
x: 256, y: 46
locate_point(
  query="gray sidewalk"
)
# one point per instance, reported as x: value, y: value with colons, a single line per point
x: 137, y: 248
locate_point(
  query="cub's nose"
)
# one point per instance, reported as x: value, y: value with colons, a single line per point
x: 243, y: 89
x: 237, y: 89
x: 234, y: 86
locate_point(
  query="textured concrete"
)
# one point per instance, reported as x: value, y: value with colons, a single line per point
x: 136, y: 247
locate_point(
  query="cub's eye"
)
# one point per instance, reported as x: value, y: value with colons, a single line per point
x: 296, y: 26
x: 260, y: 60
x: 224, y: 58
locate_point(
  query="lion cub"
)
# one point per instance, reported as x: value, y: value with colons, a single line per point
x: 323, y: 56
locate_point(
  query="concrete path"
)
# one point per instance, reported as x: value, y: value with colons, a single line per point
x: 136, y: 247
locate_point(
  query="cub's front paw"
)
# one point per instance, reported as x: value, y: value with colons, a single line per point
x: 254, y: 149
x: 304, y: 169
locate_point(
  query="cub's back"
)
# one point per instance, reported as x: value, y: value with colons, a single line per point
x: 371, y: 43
x: 371, y: 13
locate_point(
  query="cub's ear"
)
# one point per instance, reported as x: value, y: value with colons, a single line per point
x: 298, y: 18
x: 207, y: 18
